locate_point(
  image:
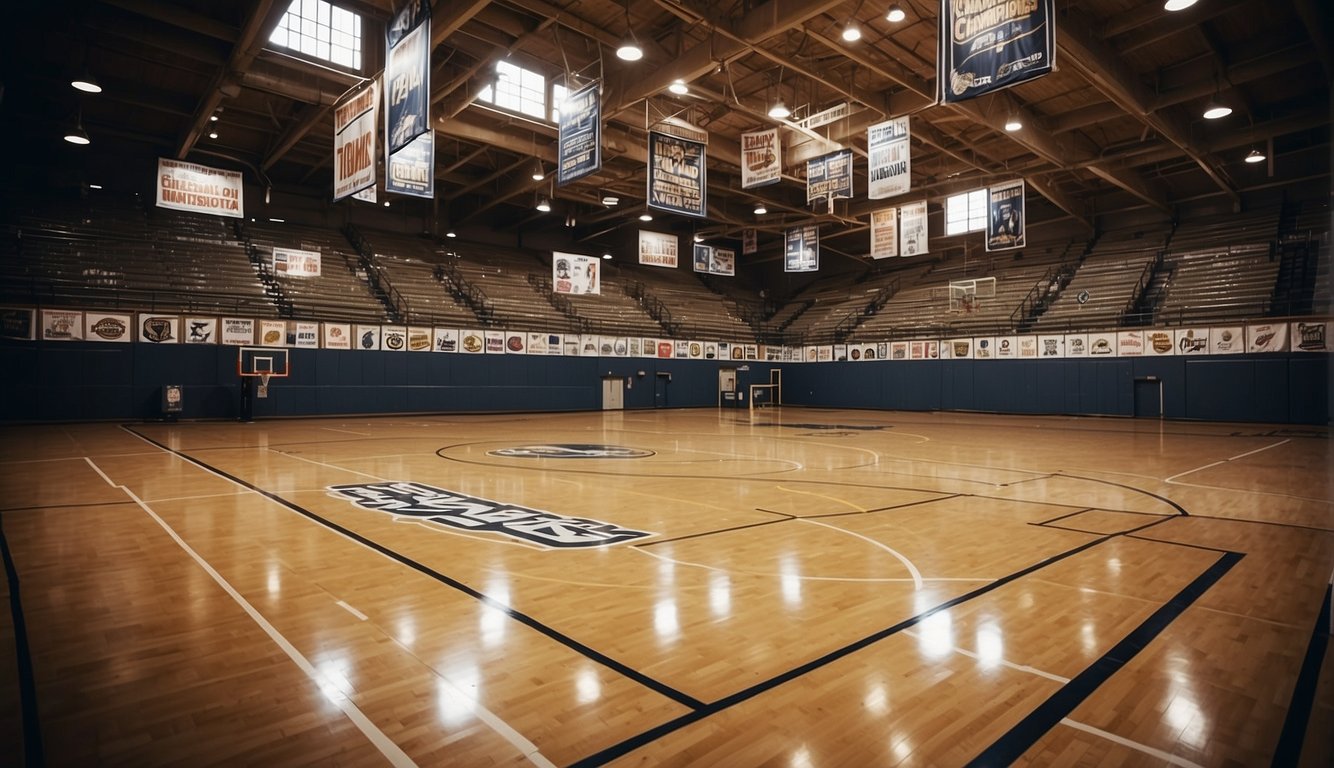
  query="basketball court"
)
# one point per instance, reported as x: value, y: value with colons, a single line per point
x: 776, y: 586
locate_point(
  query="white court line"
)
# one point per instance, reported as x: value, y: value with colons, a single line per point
x: 329, y: 466
x: 349, y: 432
x: 1224, y: 461
x: 503, y: 729
x: 912, y: 569
x: 99, y: 471
x: 1020, y: 667
x: 351, y: 610
x: 383, y: 743
x: 246, y: 492
x: 759, y: 574
x: 1135, y: 745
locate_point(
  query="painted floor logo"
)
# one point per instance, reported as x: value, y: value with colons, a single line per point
x: 571, y: 451
x: 470, y: 513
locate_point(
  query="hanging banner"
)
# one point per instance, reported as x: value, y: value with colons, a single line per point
x: 412, y: 169
x: 761, y: 158
x: 354, y: 142
x: 198, y: 188
x: 572, y: 273
x: 987, y: 46
x: 579, y: 146
x: 885, y: 233
x: 829, y: 177
x: 888, y: 153
x: 657, y: 249
x: 802, y: 253
x: 749, y: 241
x: 292, y: 263
x: 407, y: 76
x: 676, y: 175
x: 722, y: 261
x: 912, y: 229
x: 1005, y: 219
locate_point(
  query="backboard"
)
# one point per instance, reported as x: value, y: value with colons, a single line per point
x: 261, y: 361
x: 966, y: 295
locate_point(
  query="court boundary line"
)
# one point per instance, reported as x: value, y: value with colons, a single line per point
x: 1167, y: 757
x: 1292, y: 738
x: 34, y: 754
x: 620, y: 668
x: 1224, y: 461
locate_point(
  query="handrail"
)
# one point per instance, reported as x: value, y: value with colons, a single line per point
x: 376, y: 277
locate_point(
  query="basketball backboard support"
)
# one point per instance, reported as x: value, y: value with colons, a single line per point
x: 966, y: 295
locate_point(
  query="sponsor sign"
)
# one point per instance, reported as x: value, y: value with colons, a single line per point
x: 888, y: 162
x: 841, y: 353
x: 1051, y: 346
x: 984, y: 348
x: 1028, y: 346
x: 303, y: 334
x: 1005, y: 220
x: 912, y: 229
x: 1227, y: 341
x: 337, y: 336
x: 366, y: 337
x: 829, y: 177
x: 183, y: 186
x: 354, y: 141
x: 1007, y: 347
x: 885, y: 233
x: 446, y: 340
x: 1192, y: 341
x: 898, y: 350
x: 664, y: 348
x: 1310, y: 337
x: 238, y: 331
x: 677, y: 175
x: 761, y: 158
x: 658, y: 249
x: 1159, y: 342
x: 160, y: 329
x: 61, y: 325
x: 1129, y: 343
x: 1076, y: 345
x: 200, y: 330
x: 516, y: 343
x: 986, y: 46
x: 579, y: 146
x: 555, y: 343
x: 272, y: 333
x: 106, y: 326
x: 495, y: 342
x: 958, y: 349
x: 419, y: 339
x: 1102, y: 345
x: 292, y: 263
x: 681, y: 350
x: 425, y: 503
x: 1269, y: 337
x: 17, y: 323
x: 474, y: 342
x: 572, y: 273
x: 537, y: 344
x: 802, y: 252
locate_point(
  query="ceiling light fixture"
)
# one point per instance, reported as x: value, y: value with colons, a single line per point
x: 779, y: 111
x: 1178, y: 5
x: 760, y: 210
x: 86, y: 83
x: 1215, y: 110
x: 606, y: 255
x: 1256, y: 156
x: 646, y: 216
x: 1012, y: 123
x: 386, y: 203
x: 699, y: 238
x: 852, y: 33
x: 213, y: 118
x: 213, y: 134
x: 629, y: 49
x: 450, y: 233
x: 895, y: 14
x: 94, y: 186
x: 678, y: 87
x: 539, y: 173
x: 78, y: 135
x: 543, y: 205
x: 610, y: 200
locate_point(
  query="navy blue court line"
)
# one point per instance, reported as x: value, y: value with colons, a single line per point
x: 1179, y: 543
x: 1068, y: 514
x: 783, y: 519
x: 1290, y: 740
x: 32, y: 725
x: 1163, y: 499
x: 523, y: 618
x: 635, y: 742
x: 1019, y: 739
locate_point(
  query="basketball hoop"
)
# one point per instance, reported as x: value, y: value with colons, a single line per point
x: 263, y: 385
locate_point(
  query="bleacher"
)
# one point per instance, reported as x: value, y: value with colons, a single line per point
x: 1223, y: 268
x: 339, y: 293
x: 503, y: 277
x: 697, y: 311
x: 1110, y: 275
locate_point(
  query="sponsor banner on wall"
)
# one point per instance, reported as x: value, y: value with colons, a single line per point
x: 824, y: 353
x: 882, y: 350
x: 1102, y: 345
x: 658, y: 249
x: 1227, y: 341
x: 412, y: 168
x: 1269, y: 337
x: 1192, y: 341
x: 958, y: 349
x: 354, y: 141
x: 18, y: 323
x: 648, y: 347
x: 696, y: 350
x: 749, y: 241
x: 1051, y: 346
x: 304, y: 334
x: 885, y: 233
x: 537, y: 343
x: 898, y: 350
x: 1076, y: 345
x: 238, y: 331
x: 579, y: 142
x: 802, y: 251
x: 761, y: 158
x: 107, y: 326
x: 1007, y: 347
x: 472, y: 342
x: 445, y: 340
x: 1005, y: 219
x: 664, y: 348
x: 572, y: 273
x: 160, y: 329
x: 711, y: 350
x: 987, y: 46
x: 984, y: 348
x: 932, y: 350
x: 677, y: 175
x: 555, y: 343
x: 1159, y: 342
x: 681, y: 350
x: 516, y: 343
x: 272, y: 333
x: 1028, y: 346
x: 183, y: 186
x: 840, y: 353
x: 200, y: 330
x: 495, y: 342
x: 1129, y: 343
x: 419, y: 339
x: 1310, y: 336
x: 912, y: 229
x: 407, y: 76
x: 829, y: 177
x: 288, y: 262
x: 366, y: 337
x: 772, y: 354
x: 888, y: 162
x: 335, y: 335
x: 61, y: 325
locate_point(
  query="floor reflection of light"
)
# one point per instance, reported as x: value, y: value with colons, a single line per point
x: 990, y: 646
x: 333, y: 680
x: 407, y: 631
x: 802, y: 758
x: 1184, y: 715
x: 791, y: 581
x: 664, y: 620
x: 491, y: 623
x: 876, y: 700
x: 720, y: 594
x: 275, y: 580
x: 588, y: 687
x: 936, y: 638
x: 1088, y: 635
x: 457, y: 695
x: 902, y: 748
x: 666, y: 572
x: 1114, y: 565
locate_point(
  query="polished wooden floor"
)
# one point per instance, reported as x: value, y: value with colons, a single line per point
x: 793, y: 587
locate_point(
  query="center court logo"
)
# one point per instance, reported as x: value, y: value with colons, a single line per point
x: 470, y: 513
x: 571, y: 451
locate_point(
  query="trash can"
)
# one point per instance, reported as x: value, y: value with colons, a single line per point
x: 173, y: 400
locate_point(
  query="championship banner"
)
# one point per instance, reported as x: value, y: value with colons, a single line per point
x: 572, y: 273
x: 198, y: 188
x: 677, y: 175
x: 293, y: 263
x: 912, y: 229
x: 889, y: 159
x: 987, y: 45
x: 749, y: 241
x: 579, y: 147
x: 354, y: 142
x: 657, y: 249
x: 829, y: 177
x: 761, y: 158
x: 885, y: 233
x: 407, y: 75
x: 802, y: 252
x: 412, y: 169
x: 1005, y: 222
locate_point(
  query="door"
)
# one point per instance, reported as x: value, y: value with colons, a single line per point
x: 727, y: 397
x: 613, y: 394
x: 1149, y: 398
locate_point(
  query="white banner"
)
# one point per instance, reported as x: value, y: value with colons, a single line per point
x: 366, y: 337
x: 1102, y: 345
x: 446, y: 340
x: 337, y: 336
x: 305, y: 334
x: 273, y: 333
x: 238, y: 331
x: 495, y: 342
x: 293, y: 263
x: 888, y: 152
x: 200, y: 330
x: 1051, y: 346
x: 473, y: 342
x: 885, y: 233
x: 1159, y: 342
x: 516, y: 343
x: 1129, y: 343
x: 1227, y: 341
x: 106, y: 326
x: 1192, y: 341
x: 572, y: 273
x: 394, y: 338
x: 658, y: 249
x: 1076, y: 345
x: 419, y: 339
x: 354, y: 142
x: 761, y: 158
x: 184, y: 186
x: 160, y: 329
x: 1310, y: 337
x: 1270, y: 337
x: 912, y: 229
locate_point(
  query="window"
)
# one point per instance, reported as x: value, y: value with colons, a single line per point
x: 321, y: 31
x: 558, y: 94
x: 966, y: 212
x: 518, y: 90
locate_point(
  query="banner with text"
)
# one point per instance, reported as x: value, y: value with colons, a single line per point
x: 912, y: 229
x: 183, y: 186
x: 409, y: 142
x: 829, y: 176
x: 749, y: 241
x: 889, y: 159
x: 572, y: 273
x: 885, y: 233
x: 657, y: 249
x: 412, y: 168
x: 579, y: 144
x: 714, y: 261
x: 990, y: 45
x: 1005, y: 216
x: 293, y: 263
x: 802, y: 252
x: 354, y: 142
x: 676, y: 175
x: 761, y: 158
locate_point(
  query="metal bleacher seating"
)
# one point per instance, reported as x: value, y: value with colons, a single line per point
x: 1222, y: 268
x: 339, y: 293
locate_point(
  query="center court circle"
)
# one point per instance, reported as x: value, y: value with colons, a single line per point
x: 571, y: 451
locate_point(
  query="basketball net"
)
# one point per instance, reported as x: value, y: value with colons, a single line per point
x: 263, y: 385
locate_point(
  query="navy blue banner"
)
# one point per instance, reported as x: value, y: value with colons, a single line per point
x: 1005, y: 224
x: 408, y: 89
x: 677, y: 179
x: 987, y: 45
x: 829, y: 176
x: 413, y: 14
x: 412, y: 169
x: 803, y: 249
x: 580, y: 144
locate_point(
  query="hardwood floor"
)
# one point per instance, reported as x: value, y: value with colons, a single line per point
x: 796, y: 587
